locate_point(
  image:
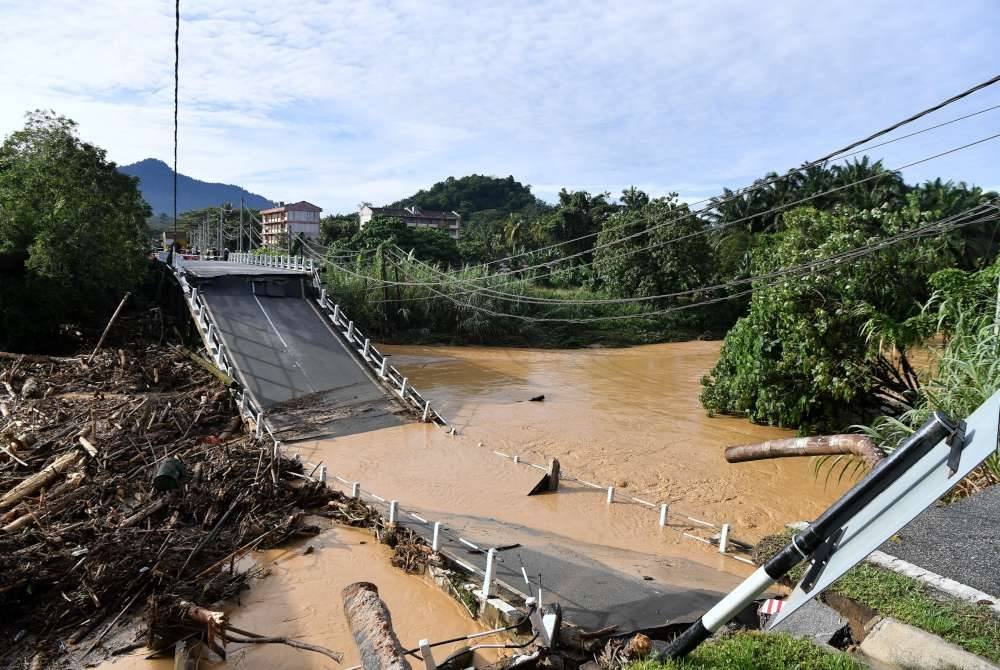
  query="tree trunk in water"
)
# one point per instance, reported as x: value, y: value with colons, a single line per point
x: 824, y: 445
x: 371, y: 626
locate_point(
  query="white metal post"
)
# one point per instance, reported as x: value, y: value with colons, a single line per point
x: 364, y: 352
x: 490, y: 571
x: 381, y: 369
x: 322, y: 297
x: 322, y: 474
x: 427, y: 411
x: 724, y: 538
x: 393, y: 510
x: 611, y: 494
x: 336, y: 315
x: 436, y: 540
x: 536, y: 621
x: 663, y: 514
x: 356, y: 490
x: 427, y: 655
x: 402, y: 388
x: 350, y: 331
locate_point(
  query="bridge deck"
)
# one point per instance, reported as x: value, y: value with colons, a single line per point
x: 285, y: 354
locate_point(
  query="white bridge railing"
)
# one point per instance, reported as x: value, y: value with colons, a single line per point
x: 268, y: 261
x: 375, y: 360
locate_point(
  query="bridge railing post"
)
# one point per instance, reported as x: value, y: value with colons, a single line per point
x: 364, y: 351
x: 402, y: 388
x: 350, y: 332
x: 336, y: 315
x: 381, y: 369
x: 490, y: 573
x: 427, y: 411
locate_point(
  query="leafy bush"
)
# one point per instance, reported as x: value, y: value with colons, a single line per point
x: 800, y: 358
x: 965, y: 373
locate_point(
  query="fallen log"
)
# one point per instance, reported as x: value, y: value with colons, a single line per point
x: 54, y: 505
x: 823, y: 445
x: 107, y: 328
x: 40, y: 479
x: 371, y: 627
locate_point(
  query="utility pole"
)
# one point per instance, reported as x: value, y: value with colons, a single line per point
x: 241, y: 226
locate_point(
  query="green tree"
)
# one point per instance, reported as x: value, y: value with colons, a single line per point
x: 428, y: 244
x: 72, y: 230
x: 666, y: 251
x: 801, y: 357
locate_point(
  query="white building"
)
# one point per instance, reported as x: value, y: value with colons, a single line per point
x: 285, y: 222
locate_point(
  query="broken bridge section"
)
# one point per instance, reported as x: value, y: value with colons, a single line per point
x: 291, y: 361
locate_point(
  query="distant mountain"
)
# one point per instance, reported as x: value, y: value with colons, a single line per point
x: 156, y: 183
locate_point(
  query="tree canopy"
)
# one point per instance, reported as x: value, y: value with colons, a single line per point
x: 72, y: 230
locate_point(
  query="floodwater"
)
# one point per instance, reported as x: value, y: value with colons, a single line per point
x: 300, y: 598
x: 629, y: 417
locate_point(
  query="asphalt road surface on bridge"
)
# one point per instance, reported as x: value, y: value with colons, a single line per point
x: 287, y: 356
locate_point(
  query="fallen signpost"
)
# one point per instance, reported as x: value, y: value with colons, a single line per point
x: 925, y: 467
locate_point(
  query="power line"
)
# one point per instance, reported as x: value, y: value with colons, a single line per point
x: 943, y: 103
x: 809, y: 164
x: 645, y: 231
x: 937, y: 227
x: 177, y: 58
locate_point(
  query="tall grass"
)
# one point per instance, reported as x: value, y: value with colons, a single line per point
x: 961, y: 376
x: 966, y: 374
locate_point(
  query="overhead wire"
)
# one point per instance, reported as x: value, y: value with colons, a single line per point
x: 779, y: 277
x: 757, y: 185
x: 662, y: 243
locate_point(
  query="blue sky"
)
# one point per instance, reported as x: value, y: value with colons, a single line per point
x: 344, y: 102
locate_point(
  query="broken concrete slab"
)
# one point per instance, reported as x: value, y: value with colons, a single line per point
x: 815, y: 621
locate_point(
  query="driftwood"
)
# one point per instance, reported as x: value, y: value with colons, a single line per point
x: 825, y: 445
x: 40, y: 479
x: 87, y: 540
x: 371, y: 626
x: 107, y: 328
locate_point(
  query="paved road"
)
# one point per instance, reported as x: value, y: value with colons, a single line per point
x: 596, y: 586
x: 296, y: 368
x: 960, y: 541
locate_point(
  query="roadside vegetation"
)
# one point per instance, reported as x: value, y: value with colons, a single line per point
x: 757, y: 651
x: 800, y: 353
x: 964, y: 370
x: 973, y: 627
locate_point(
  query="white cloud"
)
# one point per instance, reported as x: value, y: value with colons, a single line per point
x: 340, y: 102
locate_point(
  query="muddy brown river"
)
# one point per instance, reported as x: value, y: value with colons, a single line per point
x: 627, y: 417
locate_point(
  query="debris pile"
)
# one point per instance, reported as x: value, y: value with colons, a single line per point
x: 122, y: 479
